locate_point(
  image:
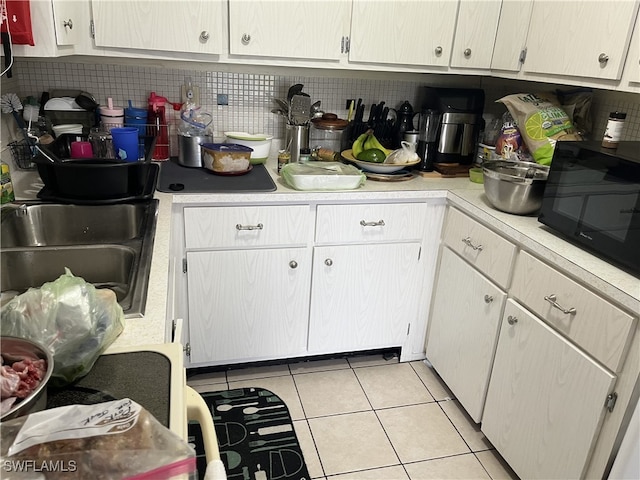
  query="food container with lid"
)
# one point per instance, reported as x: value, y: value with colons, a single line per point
x: 226, y: 158
x: 328, y: 132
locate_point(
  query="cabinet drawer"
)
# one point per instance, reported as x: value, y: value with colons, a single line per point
x: 482, y: 248
x: 242, y: 227
x: 596, y: 325
x: 370, y: 222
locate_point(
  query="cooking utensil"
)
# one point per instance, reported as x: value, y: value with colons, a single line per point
x: 510, y: 188
x: 294, y: 90
x: 273, y: 430
x: 300, y: 112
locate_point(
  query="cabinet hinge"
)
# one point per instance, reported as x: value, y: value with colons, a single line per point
x: 611, y: 401
x: 92, y: 29
x: 184, y: 265
x: 187, y: 349
x: 523, y: 55
x: 348, y: 45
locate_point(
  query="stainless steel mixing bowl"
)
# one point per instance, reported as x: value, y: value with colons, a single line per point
x: 14, y: 348
x: 514, y: 187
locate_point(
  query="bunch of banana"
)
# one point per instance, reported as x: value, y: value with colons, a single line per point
x: 367, y: 141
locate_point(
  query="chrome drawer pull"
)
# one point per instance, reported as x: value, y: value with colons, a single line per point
x: 467, y: 242
x: 511, y: 320
x: 379, y: 223
x: 552, y: 300
x: 488, y: 299
x: 249, y: 227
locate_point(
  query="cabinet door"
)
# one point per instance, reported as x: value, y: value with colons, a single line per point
x: 192, y: 26
x: 67, y: 20
x: 248, y: 304
x: 546, y: 399
x: 581, y: 38
x: 475, y: 33
x: 631, y: 73
x: 363, y: 296
x: 407, y: 32
x: 307, y: 29
x: 511, y: 37
x: 463, y: 330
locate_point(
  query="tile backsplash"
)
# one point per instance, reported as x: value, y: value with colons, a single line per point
x: 250, y: 95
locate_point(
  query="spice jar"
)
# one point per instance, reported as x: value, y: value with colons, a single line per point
x: 613, y: 132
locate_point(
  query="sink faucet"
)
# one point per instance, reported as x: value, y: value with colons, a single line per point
x: 20, y: 209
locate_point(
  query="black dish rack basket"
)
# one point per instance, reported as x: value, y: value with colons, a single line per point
x: 92, y: 178
x: 23, y: 154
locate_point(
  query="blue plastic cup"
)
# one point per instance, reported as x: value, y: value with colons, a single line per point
x: 125, y: 143
x: 136, y: 117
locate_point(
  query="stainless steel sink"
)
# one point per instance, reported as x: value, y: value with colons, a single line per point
x: 109, y: 246
x: 58, y: 224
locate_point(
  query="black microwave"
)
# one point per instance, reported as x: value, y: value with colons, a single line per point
x: 592, y: 196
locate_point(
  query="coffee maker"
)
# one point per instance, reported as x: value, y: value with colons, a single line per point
x: 454, y: 137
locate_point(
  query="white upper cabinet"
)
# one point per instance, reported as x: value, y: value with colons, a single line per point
x: 631, y: 73
x: 403, y: 32
x: 60, y: 27
x: 579, y: 38
x: 511, y: 37
x: 68, y: 31
x: 303, y: 29
x: 475, y: 33
x: 191, y: 26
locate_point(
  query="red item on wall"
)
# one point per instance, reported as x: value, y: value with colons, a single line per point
x: 18, y: 21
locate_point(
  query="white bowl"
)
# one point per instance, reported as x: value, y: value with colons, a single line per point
x: 376, y: 167
x: 75, y: 128
x: 261, y: 144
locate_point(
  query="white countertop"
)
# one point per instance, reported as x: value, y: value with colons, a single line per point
x: 615, y: 284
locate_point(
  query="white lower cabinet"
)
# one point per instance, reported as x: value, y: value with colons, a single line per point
x: 266, y: 282
x: 363, y: 296
x: 248, y: 304
x: 463, y: 330
x: 546, y: 399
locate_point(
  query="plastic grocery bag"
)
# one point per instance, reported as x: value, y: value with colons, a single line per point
x: 117, y: 439
x: 76, y: 321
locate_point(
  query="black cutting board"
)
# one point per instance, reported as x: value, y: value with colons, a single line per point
x: 200, y: 180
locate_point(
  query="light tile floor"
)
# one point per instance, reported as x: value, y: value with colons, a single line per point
x: 365, y: 417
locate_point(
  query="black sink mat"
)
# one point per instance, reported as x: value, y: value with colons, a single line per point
x: 144, y: 377
x: 200, y: 180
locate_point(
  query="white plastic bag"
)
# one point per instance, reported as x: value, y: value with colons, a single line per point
x: 404, y: 155
x: 76, y: 321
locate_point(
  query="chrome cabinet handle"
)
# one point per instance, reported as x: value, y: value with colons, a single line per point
x: 603, y: 58
x: 246, y: 38
x: 511, y: 320
x: 468, y: 243
x: 249, y: 227
x: 204, y: 35
x: 438, y: 50
x: 328, y: 262
x: 379, y: 223
x: 68, y: 23
x: 488, y: 299
x: 552, y: 300
x: 293, y: 264
x: 467, y: 52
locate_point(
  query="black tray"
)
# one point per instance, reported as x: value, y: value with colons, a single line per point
x: 145, y: 193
